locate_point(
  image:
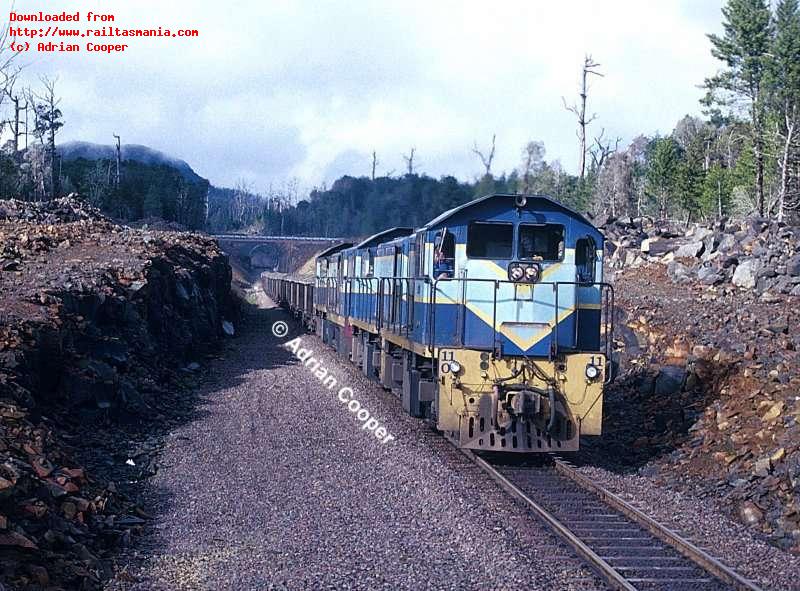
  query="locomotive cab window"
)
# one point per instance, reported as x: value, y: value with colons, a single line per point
x: 585, y: 258
x: 543, y: 242
x: 490, y: 241
x: 444, y: 254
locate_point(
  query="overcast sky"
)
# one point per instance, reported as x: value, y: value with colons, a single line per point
x: 280, y: 89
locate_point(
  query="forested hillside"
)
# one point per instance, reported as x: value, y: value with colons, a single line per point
x: 148, y: 187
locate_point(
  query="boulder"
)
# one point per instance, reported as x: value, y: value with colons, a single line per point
x: 709, y: 276
x: 793, y: 266
x: 661, y: 246
x: 729, y: 261
x: 750, y: 514
x: 783, y: 284
x: 710, y: 255
x: 691, y: 250
x: 630, y: 258
x: 678, y: 272
x: 711, y: 242
x: 726, y: 243
x: 700, y: 233
x: 746, y: 273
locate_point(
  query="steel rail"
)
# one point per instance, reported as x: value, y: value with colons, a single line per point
x: 682, y: 545
x: 608, y: 572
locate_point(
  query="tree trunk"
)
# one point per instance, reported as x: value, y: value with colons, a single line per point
x: 582, y: 126
x: 758, y: 152
x: 54, y: 177
x: 785, y: 163
x: 16, y: 125
x: 638, y: 203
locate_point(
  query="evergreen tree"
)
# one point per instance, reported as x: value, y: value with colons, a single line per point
x: 689, y: 177
x: 715, y: 198
x: 662, y: 172
x: 152, y: 206
x: 744, y: 48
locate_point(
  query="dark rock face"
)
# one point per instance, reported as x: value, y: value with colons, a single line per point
x: 96, y: 321
x: 669, y: 380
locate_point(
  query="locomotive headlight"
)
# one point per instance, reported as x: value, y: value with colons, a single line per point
x: 455, y: 367
x: 516, y: 273
x: 532, y: 273
x: 592, y: 372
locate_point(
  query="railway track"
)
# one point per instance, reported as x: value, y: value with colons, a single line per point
x: 630, y: 550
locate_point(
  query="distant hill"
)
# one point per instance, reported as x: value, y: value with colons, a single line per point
x: 153, y: 185
x: 71, y: 151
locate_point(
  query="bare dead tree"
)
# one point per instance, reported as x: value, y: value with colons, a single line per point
x: 97, y: 184
x: 486, y: 160
x: 601, y: 151
x: 17, y: 110
x: 19, y: 105
x: 8, y: 70
x: 374, y: 163
x: 119, y: 160
x: 47, y: 124
x: 787, y: 137
x: 589, y: 67
x: 409, y: 158
x: 9, y: 73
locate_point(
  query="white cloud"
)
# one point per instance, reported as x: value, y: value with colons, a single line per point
x: 302, y: 88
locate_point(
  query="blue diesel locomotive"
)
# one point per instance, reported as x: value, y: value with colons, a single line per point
x: 492, y: 321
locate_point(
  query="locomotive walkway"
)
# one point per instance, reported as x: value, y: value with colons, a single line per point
x: 276, y: 485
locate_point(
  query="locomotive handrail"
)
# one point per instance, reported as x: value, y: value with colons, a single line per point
x: 606, y: 303
x: 364, y: 286
x: 395, y: 288
x: 398, y: 287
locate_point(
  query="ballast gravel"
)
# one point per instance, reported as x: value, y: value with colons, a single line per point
x: 275, y: 485
x: 706, y: 526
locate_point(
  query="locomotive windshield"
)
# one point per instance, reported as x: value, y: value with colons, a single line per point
x: 490, y: 241
x: 541, y: 242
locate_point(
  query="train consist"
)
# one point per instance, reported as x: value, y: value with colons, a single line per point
x: 492, y: 320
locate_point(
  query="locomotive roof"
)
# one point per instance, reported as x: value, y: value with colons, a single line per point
x: 334, y: 249
x: 532, y: 200
x: 385, y: 236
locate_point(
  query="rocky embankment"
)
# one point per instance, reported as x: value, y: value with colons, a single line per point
x: 751, y: 254
x: 710, y: 402
x: 99, y: 326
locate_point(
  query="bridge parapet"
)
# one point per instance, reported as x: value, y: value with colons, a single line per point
x: 275, y: 253
x: 257, y: 238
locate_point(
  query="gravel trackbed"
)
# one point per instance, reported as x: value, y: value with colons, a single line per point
x: 275, y: 486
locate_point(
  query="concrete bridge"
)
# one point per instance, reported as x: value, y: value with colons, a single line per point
x: 275, y: 253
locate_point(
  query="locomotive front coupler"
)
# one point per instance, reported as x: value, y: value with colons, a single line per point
x: 523, y: 402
